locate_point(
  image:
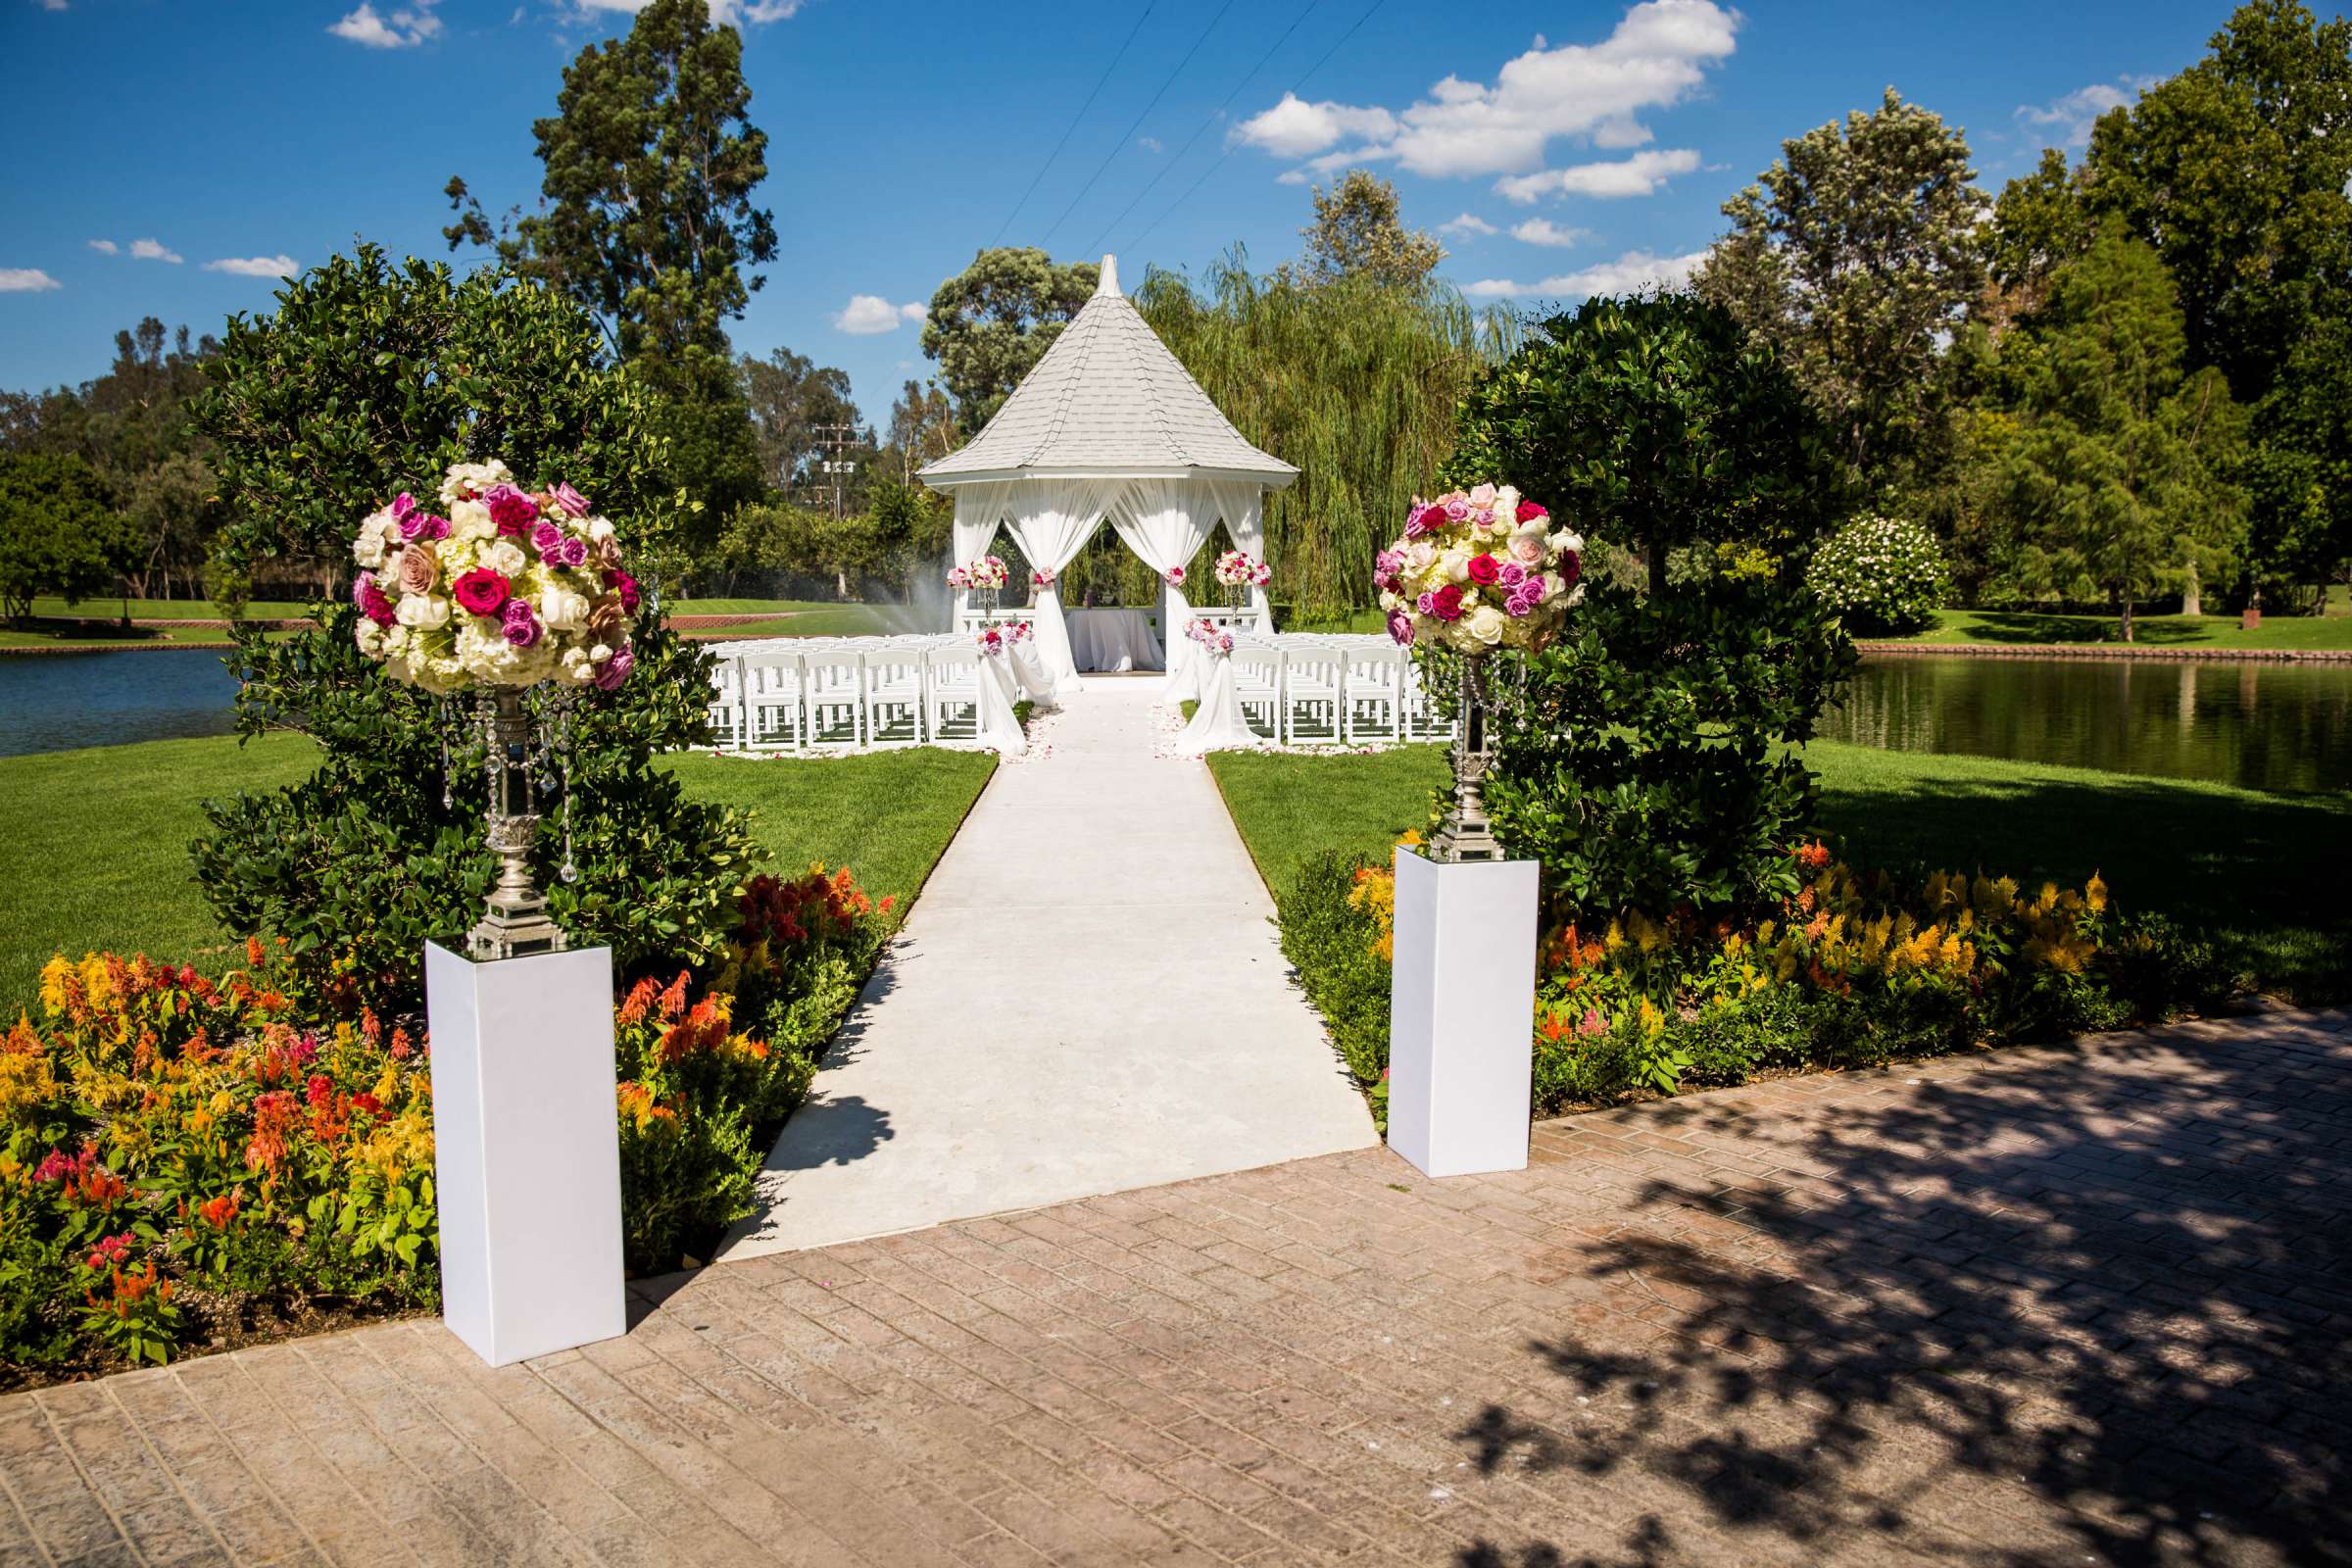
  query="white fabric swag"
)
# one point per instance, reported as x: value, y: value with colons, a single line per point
x: 1241, y: 504
x: 1050, y: 521
x: 979, y: 507
x: 1166, y: 522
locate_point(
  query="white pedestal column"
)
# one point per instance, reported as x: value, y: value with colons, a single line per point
x: 1461, y: 1012
x: 526, y: 1150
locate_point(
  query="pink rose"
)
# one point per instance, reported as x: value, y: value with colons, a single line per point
x: 1400, y: 627
x: 1482, y: 495
x: 1427, y: 604
x: 372, y: 602
x: 519, y: 627
x: 1528, y: 549
x: 1446, y: 603
x: 419, y: 568
x: 546, y: 538
x: 613, y: 671
x: 419, y: 523
x: 1510, y: 574
x: 1458, y: 509
x: 1428, y: 521
x: 575, y: 503
x: 511, y: 510
x: 481, y: 591
x: 576, y: 552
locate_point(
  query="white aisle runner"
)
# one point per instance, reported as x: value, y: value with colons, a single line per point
x: 1087, y: 998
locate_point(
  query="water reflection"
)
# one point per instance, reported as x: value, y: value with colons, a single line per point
x: 53, y: 701
x: 2271, y: 726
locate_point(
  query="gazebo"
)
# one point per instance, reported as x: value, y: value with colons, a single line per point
x: 1108, y: 425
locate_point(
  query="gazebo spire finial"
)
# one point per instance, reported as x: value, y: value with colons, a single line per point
x: 1111, y: 276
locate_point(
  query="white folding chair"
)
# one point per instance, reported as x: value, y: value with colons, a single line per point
x: 832, y: 693
x: 1311, y: 694
x: 1371, y: 689
x: 893, y: 693
x: 951, y: 677
x: 726, y: 710
x: 1258, y: 684
x: 771, y: 700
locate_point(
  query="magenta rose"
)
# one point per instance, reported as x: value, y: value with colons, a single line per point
x: 1446, y: 603
x: 419, y: 523
x: 1484, y: 570
x: 481, y: 591
x: 1400, y: 627
x: 1525, y: 597
x: 575, y: 551
x: 547, y: 539
x: 1427, y: 604
x: 575, y: 503
x: 627, y: 586
x: 1529, y: 512
x: 1510, y: 574
x: 613, y: 671
x: 1457, y: 510
x: 372, y: 602
x: 511, y: 510
x: 518, y: 624
x: 1428, y: 521
x: 1572, y: 567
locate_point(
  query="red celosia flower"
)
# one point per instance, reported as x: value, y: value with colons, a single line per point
x: 111, y: 1252
x: 219, y: 1211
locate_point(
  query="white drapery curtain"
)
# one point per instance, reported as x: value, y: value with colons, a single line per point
x: 1052, y: 520
x: 1242, y: 503
x: 1167, y: 521
x: 979, y: 507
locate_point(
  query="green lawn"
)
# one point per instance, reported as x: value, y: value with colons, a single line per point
x: 2264, y: 875
x: 2220, y: 633
x: 96, y: 855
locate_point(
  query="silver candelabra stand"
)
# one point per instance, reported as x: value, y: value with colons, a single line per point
x: 525, y: 755
x: 1463, y: 832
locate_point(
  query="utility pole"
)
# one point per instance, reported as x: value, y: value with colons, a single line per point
x: 833, y: 440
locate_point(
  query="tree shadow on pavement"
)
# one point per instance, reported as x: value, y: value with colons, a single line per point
x: 2094, y: 1308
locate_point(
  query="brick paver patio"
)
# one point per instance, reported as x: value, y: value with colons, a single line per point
x: 2043, y: 1306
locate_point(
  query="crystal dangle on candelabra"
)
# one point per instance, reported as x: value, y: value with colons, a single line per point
x: 1463, y: 834
x: 515, y: 923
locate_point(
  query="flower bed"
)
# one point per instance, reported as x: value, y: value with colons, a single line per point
x: 190, y: 1163
x: 1855, y: 969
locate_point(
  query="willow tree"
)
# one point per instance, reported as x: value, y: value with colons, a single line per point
x: 1353, y: 381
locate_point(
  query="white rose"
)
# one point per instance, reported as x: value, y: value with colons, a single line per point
x: 470, y: 520
x: 369, y: 547
x: 1456, y: 563
x: 562, y: 609
x: 371, y: 639
x: 1485, y: 623
x: 575, y: 666
x: 599, y: 652
x: 424, y: 611
x: 506, y: 558
x: 600, y: 529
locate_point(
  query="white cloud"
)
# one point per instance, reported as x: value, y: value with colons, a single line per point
x: 154, y: 250
x: 1294, y: 127
x: 1150, y: 144
x: 105, y: 247
x: 1637, y: 175
x: 256, y: 266
x: 1653, y: 59
x: 1466, y: 223
x: 1635, y: 270
x: 403, y: 28
x: 1543, y: 231
x: 52, y: 5
x: 868, y: 314
x: 25, y: 280
x: 2070, y: 117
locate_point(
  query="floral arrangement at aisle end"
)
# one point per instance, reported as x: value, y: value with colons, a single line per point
x: 1238, y: 569
x: 1018, y: 632
x: 1478, y: 570
x: 1175, y: 576
x: 985, y: 574
x: 503, y: 587
x: 1211, y: 637
x: 1042, y: 578
x: 992, y: 641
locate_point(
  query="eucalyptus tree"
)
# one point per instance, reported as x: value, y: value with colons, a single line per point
x: 995, y: 320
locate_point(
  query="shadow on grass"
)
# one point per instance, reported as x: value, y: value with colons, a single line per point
x: 2041, y: 627
x: 2089, y: 1308
x: 2263, y: 874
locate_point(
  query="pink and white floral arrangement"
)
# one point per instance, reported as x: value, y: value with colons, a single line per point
x: 1175, y: 576
x: 1238, y: 569
x: 1478, y: 569
x: 1211, y: 637
x: 992, y: 641
x: 502, y: 587
x: 1042, y: 578
x: 987, y: 573
x: 1018, y: 630
x: 960, y: 576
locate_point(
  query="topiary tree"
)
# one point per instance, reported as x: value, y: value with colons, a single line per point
x: 1882, y: 576
x: 366, y: 381
x: 1646, y: 761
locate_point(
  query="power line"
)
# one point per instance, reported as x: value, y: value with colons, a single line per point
x: 1073, y: 124
x: 1220, y: 162
x: 1204, y: 126
x: 1129, y: 134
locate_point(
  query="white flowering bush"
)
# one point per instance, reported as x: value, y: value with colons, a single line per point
x: 1881, y: 574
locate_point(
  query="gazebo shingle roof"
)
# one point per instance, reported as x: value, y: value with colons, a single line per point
x: 1106, y: 398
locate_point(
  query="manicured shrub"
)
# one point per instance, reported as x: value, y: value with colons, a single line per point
x: 1882, y: 576
x: 1334, y: 920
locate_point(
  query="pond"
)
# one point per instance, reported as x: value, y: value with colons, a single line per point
x: 54, y: 701
x: 2266, y: 726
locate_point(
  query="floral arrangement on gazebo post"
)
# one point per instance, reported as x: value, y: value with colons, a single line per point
x: 1476, y: 571
x: 1240, y: 572
x: 503, y: 591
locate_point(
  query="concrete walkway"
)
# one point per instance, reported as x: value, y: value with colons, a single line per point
x: 1087, y: 998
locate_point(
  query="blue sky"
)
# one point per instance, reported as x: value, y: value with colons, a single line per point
x: 1559, y: 148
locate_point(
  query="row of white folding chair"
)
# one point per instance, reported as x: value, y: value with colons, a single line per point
x: 1305, y: 690
x: 864, y: 692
